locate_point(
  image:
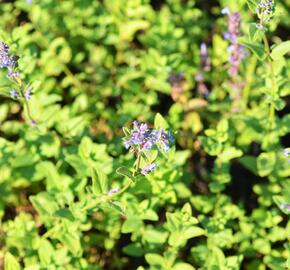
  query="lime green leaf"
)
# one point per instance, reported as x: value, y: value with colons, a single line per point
x: 154, y: 259
x: 254, y: 32
x: 265, y: 163
x: 45, y: 252
x: 155, y: 236
x: 280, y: 50
x: 72, y: 241
x: 160, y: 122
x: 252, y: 4
x: 192, y: 232
x: 100, y: 182
x: 10, y: 263
x: 132, y: 224
x: 125, y: 172
x: 183, y: 266
x: 230, y: 153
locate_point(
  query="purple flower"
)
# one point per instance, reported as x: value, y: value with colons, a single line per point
x: 14, y: 94
x: 32, y: 123
x: 13, y: 74
x: 27, y: 93
x: 7, y: 61
x: 4, y: 48
x: 236, y: 51
x: 265, y: 7
x: 145, y: 138
x: 141, y: 136
x: 149, y: 168
x: 113, y: 191
x: 265, y: 11
x: 165, y: 139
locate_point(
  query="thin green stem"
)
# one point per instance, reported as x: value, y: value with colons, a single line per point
x: 273, y: 84
x: 138, y: 162
x: 68, y: 73
x: 26, y: 104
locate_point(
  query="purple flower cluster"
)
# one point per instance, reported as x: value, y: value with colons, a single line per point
x: 10, y: 62
x: 265, y: 11
x: 145, y: 138
x: 7, y: 61
x: 236, y: 51
x: 142, y: 138
x: 266, y: 7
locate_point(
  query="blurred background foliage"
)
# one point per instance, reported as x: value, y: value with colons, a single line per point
x: 95, y: 66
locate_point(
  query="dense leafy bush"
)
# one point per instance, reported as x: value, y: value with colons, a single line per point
x: 205, y: 184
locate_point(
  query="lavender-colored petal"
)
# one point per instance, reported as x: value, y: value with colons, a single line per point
x: 149, y: 168
x: 27, y: 93
x: 32, y: 123
x: 13, y: 74
x: 227, y: 35
x: 14, y: 94
x: 113, y: 191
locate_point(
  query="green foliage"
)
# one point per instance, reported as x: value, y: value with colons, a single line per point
x: 72, y: 196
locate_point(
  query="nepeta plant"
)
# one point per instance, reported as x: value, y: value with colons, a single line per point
x: 140, y: 139
x: 20, y: 91
x: 235, y: 49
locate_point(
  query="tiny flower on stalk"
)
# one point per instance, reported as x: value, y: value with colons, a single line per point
x: 14, y: 94
x: 20, y: 92
x: 27, y: 93
x: 113, y: 191
x: 149, y: 168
